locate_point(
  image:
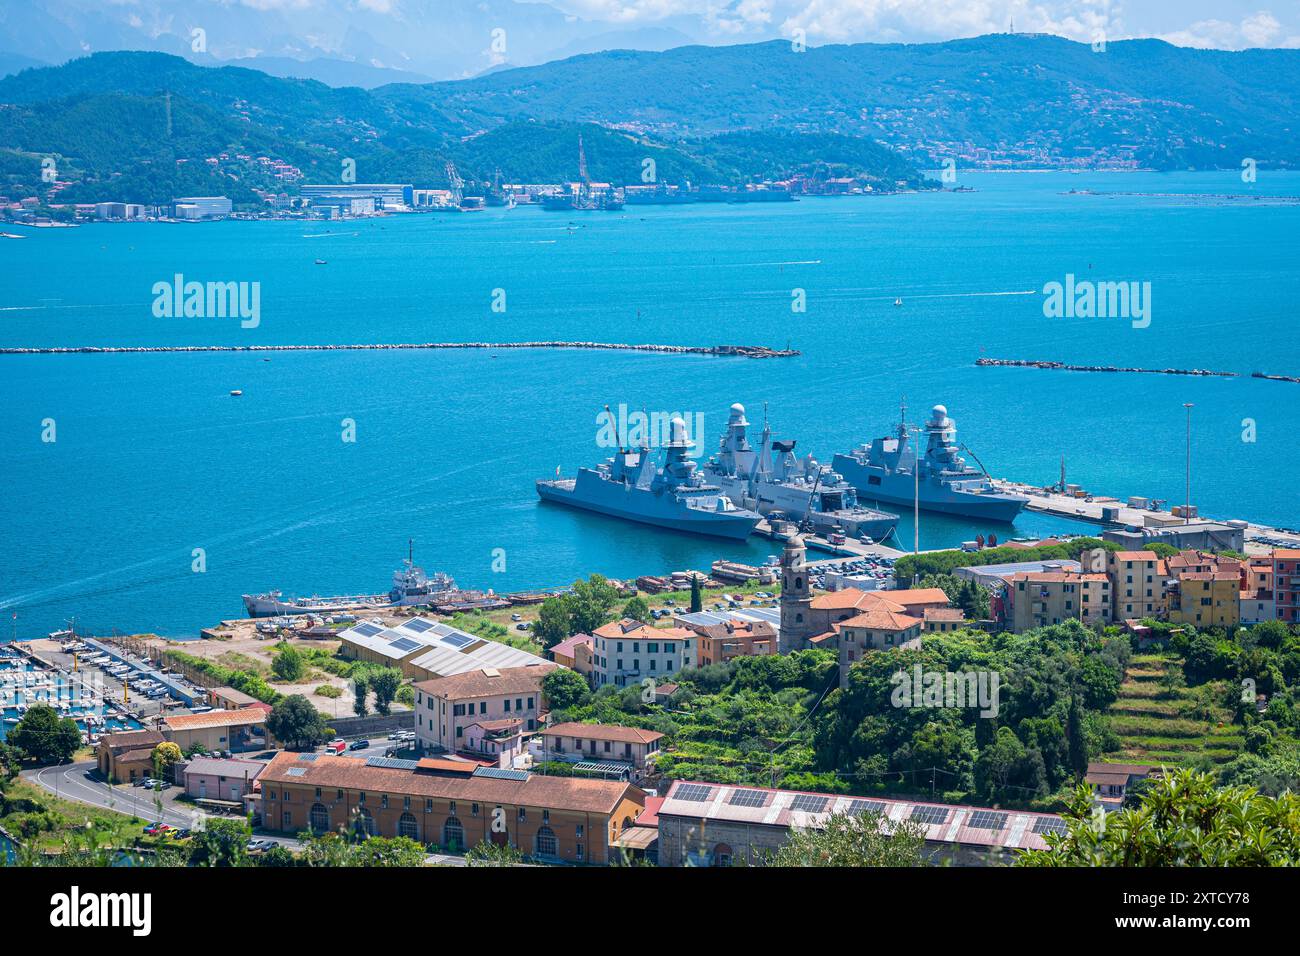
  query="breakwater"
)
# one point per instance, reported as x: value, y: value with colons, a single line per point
x: 742, y: 351
x: 1028, y: 363
x: 1276, y: 378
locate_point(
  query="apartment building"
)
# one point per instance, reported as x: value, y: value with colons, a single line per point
x: 1041, y: 598
x: 446, y: 707
x: 627, y: 652
x: 1136, y: 589
x: 1286, y: 584
x: 1206, y: 599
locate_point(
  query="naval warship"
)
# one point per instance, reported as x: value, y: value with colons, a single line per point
x: 630, y: 486
x: 942, y: 481
x: 411, y: 586
x: 771, y: 479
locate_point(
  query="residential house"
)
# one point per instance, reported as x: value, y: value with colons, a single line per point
x: 874, y: 629
x: 1040, y: 598
x: 127, y: 756
x: 446, y: 706
x: 600, y: 743
x: 627, y: 652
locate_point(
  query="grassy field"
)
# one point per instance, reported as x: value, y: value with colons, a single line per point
x: 111, y: 828
x: 1159, y: 720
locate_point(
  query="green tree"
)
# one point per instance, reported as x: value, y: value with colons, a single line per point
x: 637, y: 609
x: 697, y: 596
x: 868, y: 839
x: 297, y: 724
x: 165, y: 756
x: 289, y: 665
x: 592, y: 605
x: 564, y: 688
x: 387, y: 851
x: 487, y: 853
x: 385, y: 682
x: 46, y: 737
x: 360, y: 690
x: 1181, y: 819
x: 1076, y: 741
x: 222, y: 843
x: 554, y: 621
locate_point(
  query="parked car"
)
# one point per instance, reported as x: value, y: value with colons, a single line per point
x: 258, y: 846
x: 157, y: 829
x: 359, y: 745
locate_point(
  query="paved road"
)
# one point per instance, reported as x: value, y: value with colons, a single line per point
x: 77, y: 781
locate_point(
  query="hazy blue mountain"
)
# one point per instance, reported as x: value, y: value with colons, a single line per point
x: 430, y: 38
x: 329, y: 71
x: 13, y: 62
x: 1026, y: 100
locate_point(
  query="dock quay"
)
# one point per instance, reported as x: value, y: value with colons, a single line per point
x: 1112, y: 513
x: 736, y: 351
x: 1062, y: 366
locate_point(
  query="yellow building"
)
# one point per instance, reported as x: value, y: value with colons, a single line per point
x: 1137, y: 589
x: 1039, y: 598
x: 1206, y: 599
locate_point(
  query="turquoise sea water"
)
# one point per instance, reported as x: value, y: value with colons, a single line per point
x: 154, y: 458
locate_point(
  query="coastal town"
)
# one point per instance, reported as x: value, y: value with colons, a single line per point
x: 464, y: 728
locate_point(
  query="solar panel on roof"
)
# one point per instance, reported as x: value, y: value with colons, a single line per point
x: 308, y: 757
x: 858, y: 807
x: 693, y: 792
x: 457, y: 640
x: 296, y: 771
x: 987, y: 820
x: 809, y: 803
x: 1049, y: 825
x: 367, y: 629
x: 930, y: 814
x: 391, y: 763
x: 405, y: 644
x: 496, y: 773
x: 748, y: 798
x: 419, y: 625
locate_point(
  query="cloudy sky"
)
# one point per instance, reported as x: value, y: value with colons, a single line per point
x: 1226, y: 24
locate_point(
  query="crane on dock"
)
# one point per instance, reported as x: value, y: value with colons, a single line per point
x: 455, y: 183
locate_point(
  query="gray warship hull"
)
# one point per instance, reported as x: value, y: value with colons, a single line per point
x: 663, y: 510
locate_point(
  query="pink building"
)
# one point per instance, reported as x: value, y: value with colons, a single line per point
x: 208, y: 778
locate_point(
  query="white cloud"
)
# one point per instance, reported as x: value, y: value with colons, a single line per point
x: 1260, y: 29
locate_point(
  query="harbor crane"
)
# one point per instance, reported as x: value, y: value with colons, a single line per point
x: 456, y: 184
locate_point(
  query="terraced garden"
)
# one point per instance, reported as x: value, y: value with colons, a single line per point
x: 1160, y: 720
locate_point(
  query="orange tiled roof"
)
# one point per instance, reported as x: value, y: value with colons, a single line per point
x: 622, y: 735
x: 215, y: 718
x: 882, y: 619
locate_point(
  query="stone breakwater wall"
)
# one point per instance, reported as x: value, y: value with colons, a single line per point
x: 742, y: 351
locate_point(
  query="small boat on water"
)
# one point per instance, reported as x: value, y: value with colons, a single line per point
x: 236, y: 391
x: 321, y: 262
